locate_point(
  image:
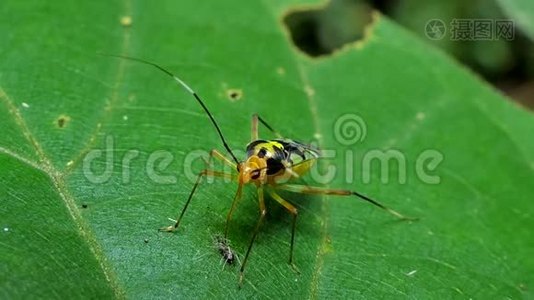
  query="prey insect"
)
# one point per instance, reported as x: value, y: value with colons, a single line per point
x: 272, y: 165
x: 222, y: 245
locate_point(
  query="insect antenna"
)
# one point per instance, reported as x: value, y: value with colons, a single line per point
x: 190, y: 90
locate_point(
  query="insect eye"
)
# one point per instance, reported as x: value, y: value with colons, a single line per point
x: 255, y: 174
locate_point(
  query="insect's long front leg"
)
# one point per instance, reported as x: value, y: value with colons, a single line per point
x: 216, y: 154
x: 237, y: 197
x: 207, y: 172
x: 254, y: 132
x: 304, y: 189
x: 263, y: 212
x: 293, y: 210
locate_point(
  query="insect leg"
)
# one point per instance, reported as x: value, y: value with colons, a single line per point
x: 237, y: 197
x: 263, y: 212
x: 218, y: 155
x: 304, y: 189
x: 254, y: 128
x: 293, y: 210
x: 206, y: 172
x: 255, y: 119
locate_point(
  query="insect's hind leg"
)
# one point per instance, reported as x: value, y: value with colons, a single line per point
x: 292, y: 210
x: 254, y: 130
x: 205, y: 172
x: 304, y: 189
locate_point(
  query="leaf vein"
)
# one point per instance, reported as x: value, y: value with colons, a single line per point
x: 21, y: 158
x: 114, y: 97
x: 58, y: 182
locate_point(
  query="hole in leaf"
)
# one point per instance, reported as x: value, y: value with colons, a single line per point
x: 321, y: 31
x: 62, y: 121
x: 507, y: 64
x: 234, y: 94
x: 84, y: 205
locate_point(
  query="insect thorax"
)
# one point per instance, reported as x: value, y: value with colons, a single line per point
x: 280, y: 153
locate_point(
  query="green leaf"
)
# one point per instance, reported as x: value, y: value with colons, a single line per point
x: 522, y: 12
x: 65, y: 235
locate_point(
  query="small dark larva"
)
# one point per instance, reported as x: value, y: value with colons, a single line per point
x: 223, y: 246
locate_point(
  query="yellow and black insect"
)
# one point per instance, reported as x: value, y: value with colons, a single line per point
x: 270, y: 165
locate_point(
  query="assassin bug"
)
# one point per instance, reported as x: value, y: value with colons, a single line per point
x: 270, y: 165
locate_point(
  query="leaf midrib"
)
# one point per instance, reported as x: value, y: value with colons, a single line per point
x: 57, y: 179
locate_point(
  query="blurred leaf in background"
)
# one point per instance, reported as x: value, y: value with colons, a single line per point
x: 509, y: 65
